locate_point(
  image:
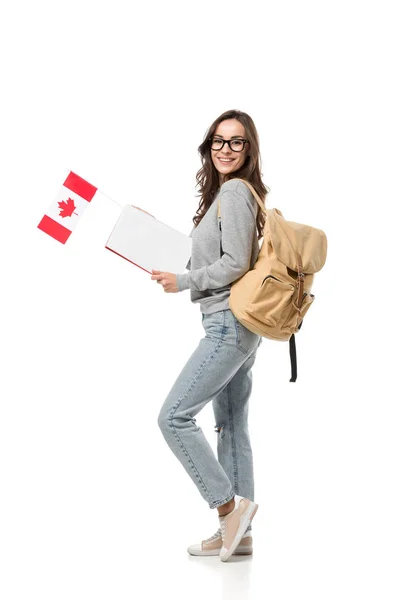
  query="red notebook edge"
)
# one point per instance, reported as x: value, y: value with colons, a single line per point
x: 130, y: 261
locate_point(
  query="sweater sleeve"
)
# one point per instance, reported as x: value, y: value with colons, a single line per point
x: 238, y: 223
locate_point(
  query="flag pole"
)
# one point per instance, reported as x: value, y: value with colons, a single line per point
x: 109, y: 198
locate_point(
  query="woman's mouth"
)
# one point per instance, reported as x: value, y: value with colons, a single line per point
x: 226, y: 161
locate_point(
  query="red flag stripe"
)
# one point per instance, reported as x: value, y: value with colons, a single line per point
x: 57, y: 231
x: 81, y: 187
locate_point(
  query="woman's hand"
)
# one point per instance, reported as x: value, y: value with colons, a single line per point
x: 167, y: 280
x: 142, y: 210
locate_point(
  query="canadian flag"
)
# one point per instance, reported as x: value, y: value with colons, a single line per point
x: 64, y: 213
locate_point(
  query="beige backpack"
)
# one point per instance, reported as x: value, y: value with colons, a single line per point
x: 273, y: 297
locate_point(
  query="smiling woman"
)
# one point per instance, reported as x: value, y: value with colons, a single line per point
x: 219, y: 369
x: 230, y: 149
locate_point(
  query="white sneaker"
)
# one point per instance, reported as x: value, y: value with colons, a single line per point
x: 234, y: 524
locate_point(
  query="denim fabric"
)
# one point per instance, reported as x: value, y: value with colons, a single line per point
x: 219, y: 369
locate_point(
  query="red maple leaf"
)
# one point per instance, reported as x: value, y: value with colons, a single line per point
x: 67, y: 208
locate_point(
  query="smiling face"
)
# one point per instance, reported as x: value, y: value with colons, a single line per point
x: 226, y: 160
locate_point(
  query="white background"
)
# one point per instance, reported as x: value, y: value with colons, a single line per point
x: 93, y: 502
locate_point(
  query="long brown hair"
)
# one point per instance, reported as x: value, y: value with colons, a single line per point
x: 208, y: 177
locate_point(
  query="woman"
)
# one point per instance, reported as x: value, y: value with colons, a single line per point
x: 220, y: 367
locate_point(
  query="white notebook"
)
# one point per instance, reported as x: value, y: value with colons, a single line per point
x: 149, y: 243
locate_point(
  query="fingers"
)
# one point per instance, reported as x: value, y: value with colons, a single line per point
x: 157, y: 276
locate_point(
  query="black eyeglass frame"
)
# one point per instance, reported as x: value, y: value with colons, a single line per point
x: 229, y: 143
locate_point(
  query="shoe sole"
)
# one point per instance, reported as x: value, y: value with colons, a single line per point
x: 245, y: 521
x: 217, y: 552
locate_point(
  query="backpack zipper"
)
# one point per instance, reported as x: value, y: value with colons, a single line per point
x: 273, y: 277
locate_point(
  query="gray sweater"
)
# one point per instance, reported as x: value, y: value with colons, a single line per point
x: 212, y: 273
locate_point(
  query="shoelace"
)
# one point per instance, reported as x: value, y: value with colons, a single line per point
x: 213, y: 537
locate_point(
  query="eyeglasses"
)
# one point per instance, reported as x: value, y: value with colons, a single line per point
x: 234, y: 145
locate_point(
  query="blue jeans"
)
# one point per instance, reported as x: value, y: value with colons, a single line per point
x: 219, y: 369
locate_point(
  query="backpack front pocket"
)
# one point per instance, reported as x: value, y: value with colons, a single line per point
x: 296, y: 316
x: 308, y: 299
x: 271, y: 303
